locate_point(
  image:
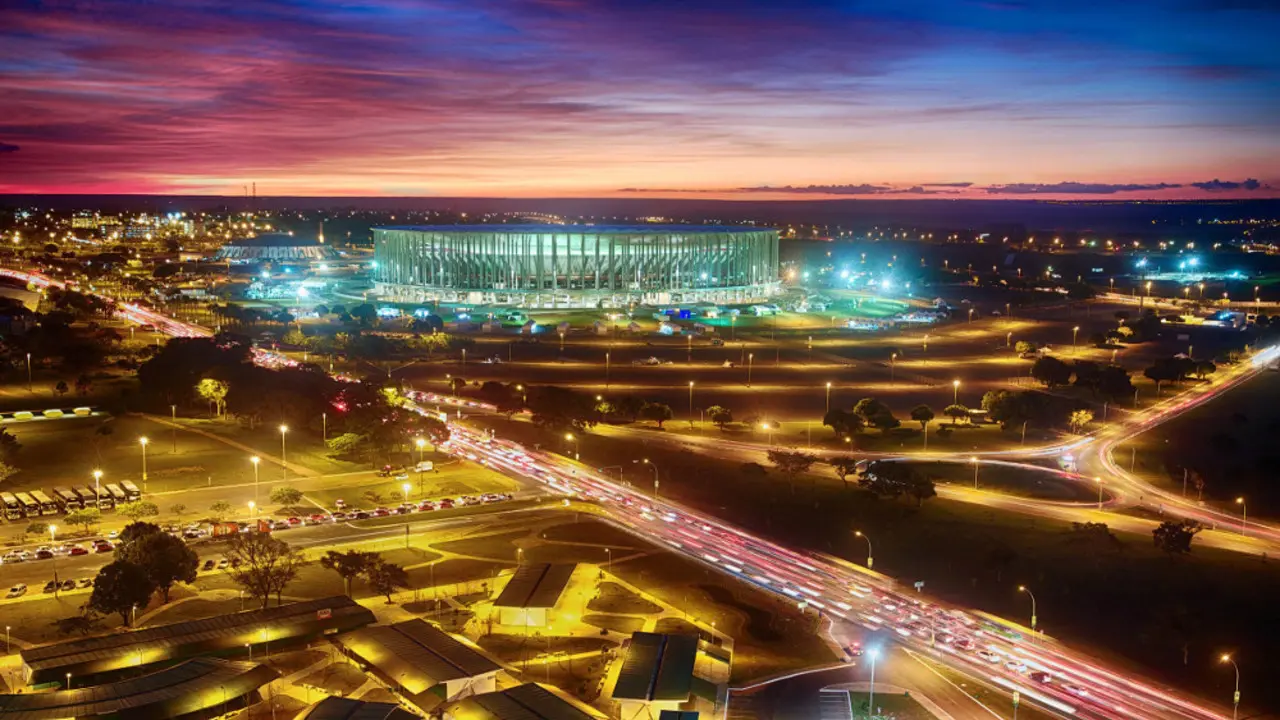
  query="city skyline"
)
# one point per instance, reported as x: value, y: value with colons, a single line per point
x: 707, y: 99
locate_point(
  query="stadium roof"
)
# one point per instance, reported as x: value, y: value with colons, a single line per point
x: 585, y: 229
x: 190, y: 687
x: 416, y: 654
x: 273, y: 240
x: 339, y: 708
x: 657, y: 668
x: 535, y: 586
x: 166, y: 642
x: 530, y: 701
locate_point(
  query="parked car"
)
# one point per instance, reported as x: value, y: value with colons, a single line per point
x: 76, y: 550
x: 208, y: 565
x: 17, y: 591
x: 223, y: 563
x: 15, y: 556
x: 83, y: 583
x: 44, y: 554
x: 51, y: 586
x: 68, y: 585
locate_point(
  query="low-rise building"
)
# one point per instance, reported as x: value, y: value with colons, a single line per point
x: 532, y: 594
x: 421, y: 662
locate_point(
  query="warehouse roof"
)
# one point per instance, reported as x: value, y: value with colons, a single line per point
x: 657, y: 667
x: 189, y: 687
x: 581, y: 229
x: 339, y: 708
x: 281, y: 622
x: 530, y: 701
x: 536, y: 585
x: 416, y: 654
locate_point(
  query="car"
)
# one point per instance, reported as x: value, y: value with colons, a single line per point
x: 338, y: 516
x: 16, y: 556
x: 406, y: 508
x: 68, y: 585
x: 426, y: 506
x: 44, y: 547
x: 113, y: 534
x: 208, y: 565
x: 103, y: 547
x: 445, y: 503
x: 361, y: 515
x: 44, y: 554
x: 402, y: 476
x: 1016, y: 665
x: 235, y: 563
x: 1041, y: 677
x: 76, y: 550
x: 989, y: 656
x: 294, y: 521
x: 83, y: 583
x: 317, y: 518
x: 854, y: 650
x: 1075, y: 690
x: 223, y: 563
x: 191, y: 534
x: 17, y: 591
x: 340, y: 503
x: 382, y: 512
x: 51, y: 586
x: 962, y: 644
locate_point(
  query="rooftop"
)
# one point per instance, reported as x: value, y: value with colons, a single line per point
x: 530, y: 701
x: 640, y: 229
x: 657, y: 668
x: 535, y: 586
x: 273, y: 240
x: 416, y: 654
x: 339, y: 708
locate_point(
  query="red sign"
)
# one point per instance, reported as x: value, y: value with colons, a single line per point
x: 324, y: 614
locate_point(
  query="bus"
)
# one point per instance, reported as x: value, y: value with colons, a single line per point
x: 117, y: 495
x: 29, y: 504
x: 47, y: 505
x: 105, y: 501
x: 12, y: 509
x: 87, y: 498
x: 131, y: 490
x: 66, y: 499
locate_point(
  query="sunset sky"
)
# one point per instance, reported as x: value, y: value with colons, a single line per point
x: 709, y: 98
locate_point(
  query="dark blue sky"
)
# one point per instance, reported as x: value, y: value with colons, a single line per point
x: 591, y: 97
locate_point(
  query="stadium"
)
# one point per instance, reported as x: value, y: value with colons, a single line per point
x: 585, y: 266
x: 274, y: 247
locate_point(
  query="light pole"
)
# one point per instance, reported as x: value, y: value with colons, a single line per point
x: 1008, y: 339
x: 324, y: 427
x: 1244, y: 514
x: 1023, y: 588
x: 1235, y: 699
x: 1099, y: 481
x: 570, y: 437
x: 655, y: 475
x: 974, y: 460
x: 253, y: 510
x: 143, y: 442
x: 609, y: 554
x: 750, y: 357
x: 606, y: 371
x: 561, y: 343
x: 53, y: 540
x: 1075, y: 332
x: 768, y: 429
x: 173, y: 431
x: 870, y: 560
x: 893, y: 360
x: 873, y: 653
x: 828, y: 397
x: 255, y: 460
x: 28, y: 372
x: 690, y: 403
x: 284, y: 462
x: 405, y: 488
x: 97, y: 487
x: 421, y: 444
x: 955, y: 392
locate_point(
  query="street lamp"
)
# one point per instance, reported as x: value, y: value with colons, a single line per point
x: 955, y: 392
x: 872, y: 653
x: 97, y: 486
x: 870, y: 560
x: 1008, y: 338
x: 53, y: 540
x: 405, y: 488
x: 655, y: 475
x: 1235, y: 699
x: 284, y: 462
x: 974, y: 460
x: 750, y: 357
x: 893, y: 360
x: 143, y: 442
x: 253, y: 506
x: 1244, y: 514
x: 570, y: 437
x: 691, y: 403
x: 255, y: 460
x: 1099, y: 481
x: 1025, y: 589
x: 1075, y: 332
x: 769, y: 429
x: 606, y: 371
x: 828, y: 397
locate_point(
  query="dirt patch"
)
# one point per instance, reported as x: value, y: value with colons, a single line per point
x: 197, y: 609
x: 284, y: 706
x: 380, y: 695
x: 613, y: 598
x: 680, y: 626
x: 760, y: 622
x: 515, y: 648
x: 337, y: 679
x: 468, y: 574
x: 500, y: 546
x: 292, y: 662
x: 617, y: 623
x: 593, y: 532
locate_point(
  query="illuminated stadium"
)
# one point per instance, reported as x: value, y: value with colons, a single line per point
x: 275, y: 247
x: 555, y: 266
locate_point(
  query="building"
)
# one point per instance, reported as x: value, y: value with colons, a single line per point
x: 657, y: 673
x: 338, y: 708
x: 531, y: 593
x: 242, y: 632
x: 192, y: 690
x: 275, y: 248
x: 426, y: 665
x: 553, y: 266
x: 530, y: 701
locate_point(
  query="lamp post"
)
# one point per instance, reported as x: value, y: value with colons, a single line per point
x: 255, y: 460
x: 974, y: 460
x: 750, y: 357
x: 571, y: 438
x: 53, y: 539
x: 1075, y: 332
x: 893, y: 360
x: 873, y: 653
x: 28, y: 372
x: 955, y: 392
x: 1008, y: 339
x: 97, y: 487
x: 143, y: 442
x: 1099, y: 481
x: 1235, y: 698
x: 828, y: 397
x: 870, y: 560
x: 769, y: 429
x: 1025, y: 589
x: 405, y: 488
x: 655, y: 475
x: 173, y: 431
x: 253, y: 510
x: 690, y: 403
x: 1244, y: 514
x: 606, y: 371
x: 284, y: 461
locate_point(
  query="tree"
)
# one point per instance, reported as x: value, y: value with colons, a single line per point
x: 135, y: 531
x: 895, y: 479
x: 792, y: 463
x: 1174, y: 537
x: 1096, y: 534
x: 1023, y: 347
x: 657, y: 413
x: 922, y: 414
x: 119, y: 588
x: 955, y: 412
x: 844, y: 466
x: 61, y: 388
x: 178, y: 509
x: 86, y: 518
x: 1203, y: 368
x: 83, y: 384
x: 385, y: 578
x: 165, y: 558
x: 720, y: 415
x: 349, y: 564
x: 84, y: 625
x: 1051, y: 372
x: 138, y: 509
x: 876, y: 414
x: 1114, y: 383
x: 219, y: 511
x: 286, y: 496
x: 557, y: 408
x: 843, y: 422
x: 215, y: 392
x: 265, y: 566
x: 1080, y: 419
x: 9, y: 446
x: 629, y: 407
